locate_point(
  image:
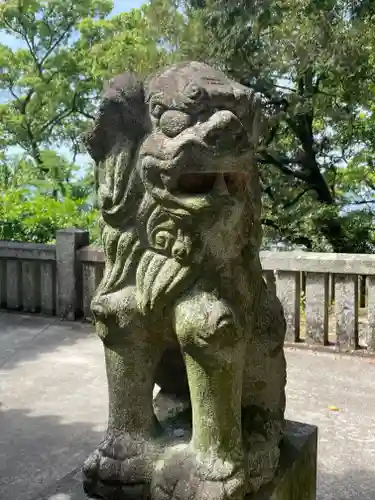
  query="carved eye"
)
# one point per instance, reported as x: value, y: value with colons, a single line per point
x: 225, y: 321
x: 194, y: 92
x: 163, y: 240
x: 172, y: 123
x: 157, y: 111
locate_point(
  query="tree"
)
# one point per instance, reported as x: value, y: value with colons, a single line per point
x: 35, y: 218
x: 311, y: 60
x: 313, y: 63
x: 50, y: 83
x: 33, y: 209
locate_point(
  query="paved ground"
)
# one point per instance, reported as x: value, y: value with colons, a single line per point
x: 53, y: 408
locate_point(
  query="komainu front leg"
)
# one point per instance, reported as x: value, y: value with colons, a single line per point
x: 122, y: 466
x: 212, y: 465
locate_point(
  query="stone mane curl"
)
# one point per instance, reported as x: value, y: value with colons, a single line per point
x: 122, y: 123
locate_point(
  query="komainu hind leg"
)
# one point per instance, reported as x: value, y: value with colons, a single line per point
x: 122, y: 466
x: 211, y: 466
x: 264, y: 390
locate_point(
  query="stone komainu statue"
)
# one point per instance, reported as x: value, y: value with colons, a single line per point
x: 183, y: 302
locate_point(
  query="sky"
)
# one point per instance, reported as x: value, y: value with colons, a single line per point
x: 124, y: 5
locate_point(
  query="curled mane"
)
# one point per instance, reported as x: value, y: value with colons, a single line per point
x: 122, y: 123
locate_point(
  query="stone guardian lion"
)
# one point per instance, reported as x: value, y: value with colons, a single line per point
x: 183, y: 302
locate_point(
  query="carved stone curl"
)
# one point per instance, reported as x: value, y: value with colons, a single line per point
x: 183, y: 302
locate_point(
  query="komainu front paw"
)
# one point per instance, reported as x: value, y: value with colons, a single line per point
x: 185, y: 475
x: 120, y: 468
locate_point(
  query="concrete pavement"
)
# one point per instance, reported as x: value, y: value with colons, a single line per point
x: 53, y: 408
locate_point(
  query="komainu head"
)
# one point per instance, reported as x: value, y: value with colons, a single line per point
x: 176, y: 185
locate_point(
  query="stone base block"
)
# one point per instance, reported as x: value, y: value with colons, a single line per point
x: 296, y: 479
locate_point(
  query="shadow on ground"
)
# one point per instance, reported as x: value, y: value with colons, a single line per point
x: 45, y: 450
x: 33, y: 465
x: 54, y: 408
x: 53, y: 401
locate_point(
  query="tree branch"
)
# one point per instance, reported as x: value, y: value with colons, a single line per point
x: 10, y: 27
x: 285, y: 88
x: 24, y: 102
x: 56, y: 120
x: 30, y: 46
x: 358, y: 202
x: 13, y: 94
x: 267, y: 92
x: 272, y: 134
x: 86, y: 115
x: 34, y: 146
x: 318, y: 81
x: 266, y: 189
x: 57, y: 42
x: 290, y: 204
x: 268, y: 159
x: 297, y: 240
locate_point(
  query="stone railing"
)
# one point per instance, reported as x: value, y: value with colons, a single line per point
x: 43, y: 278
x: 328, y: 299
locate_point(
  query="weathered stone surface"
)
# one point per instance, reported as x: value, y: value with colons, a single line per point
x: 69, y: 276
x: 288, y: 286
x: 295, y: 478
x: 346, y: 309
x: 3, y: 281
x: 297, y: 474
x: 91, y: 275
x: 317, y: 308
x: 316, y: 262
x: 48, y: 288
x: 183, y: 297
x: 30, y: 286
x: 26, y: 251
x: 13, y: 284
x: 371, y: 313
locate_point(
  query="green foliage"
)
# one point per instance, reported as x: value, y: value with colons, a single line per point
x: 36, y: 218
x: 314, y: 64
x: 50, y: 85
x: 33, y: 209
x: 67, y: 49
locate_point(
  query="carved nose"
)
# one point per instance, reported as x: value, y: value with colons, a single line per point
x: 224, y: 130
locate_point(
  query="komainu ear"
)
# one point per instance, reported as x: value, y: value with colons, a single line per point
x: 122, y: 117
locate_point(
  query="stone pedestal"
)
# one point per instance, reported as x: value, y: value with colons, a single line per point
x: 296, y: 479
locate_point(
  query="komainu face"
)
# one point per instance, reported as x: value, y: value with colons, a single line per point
x: 195, y: 161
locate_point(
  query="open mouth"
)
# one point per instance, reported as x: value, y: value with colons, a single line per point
x: 203, y: 183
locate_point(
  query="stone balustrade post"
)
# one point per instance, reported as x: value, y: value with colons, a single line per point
x: 69, y: 272
x: 346, y: 308
x: 288, y: 286
x: 317, y: 308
